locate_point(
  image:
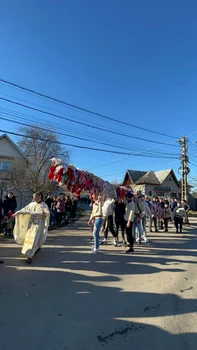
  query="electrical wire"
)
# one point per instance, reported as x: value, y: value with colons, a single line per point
x: 193, y: 164
x: 77, y: 146
x: 43, y: 124
x: 82, y: 109
x: 77, y: 122
x: 53, y: 126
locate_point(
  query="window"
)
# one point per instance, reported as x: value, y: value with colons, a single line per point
x: 150, y: 193
x: 170, y: 178
x: 6, y: 166
x: 160, y: 193
x: 173, y: 194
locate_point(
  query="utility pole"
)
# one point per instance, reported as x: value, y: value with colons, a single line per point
x: 184, y: 170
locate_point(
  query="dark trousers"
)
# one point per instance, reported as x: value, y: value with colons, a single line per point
x: 166, y: 220
x: 129, y: 233
x: 178, y: 221
x: 120, y: 223
x: 109, y: 226
x: 73, y: 212
x: 153, y: 220
x: 59, y: 218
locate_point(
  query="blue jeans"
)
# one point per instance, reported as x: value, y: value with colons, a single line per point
x: 137, y: 225
x: 97, y: 226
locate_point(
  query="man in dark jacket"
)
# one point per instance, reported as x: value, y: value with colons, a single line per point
x: 9, y: 204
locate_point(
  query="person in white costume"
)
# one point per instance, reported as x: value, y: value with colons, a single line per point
x: 31, y: 226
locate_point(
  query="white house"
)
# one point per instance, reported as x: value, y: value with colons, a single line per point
x: 153, y: 183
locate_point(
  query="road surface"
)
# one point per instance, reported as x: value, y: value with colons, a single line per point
x: 69, y: 299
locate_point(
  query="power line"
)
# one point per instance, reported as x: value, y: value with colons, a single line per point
x: 77, y: 137
x: 193, y: 164
x: 77, y: 146
x: 122, y: 160
x: 77, y: 122
x: 83, y: 109
x: 42, y: 123
x: 61, y: 133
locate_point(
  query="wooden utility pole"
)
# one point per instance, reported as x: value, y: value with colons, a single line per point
x: 184, y: 170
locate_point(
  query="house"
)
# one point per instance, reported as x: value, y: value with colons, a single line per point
x: 153, y: 183
x: 9, y: 154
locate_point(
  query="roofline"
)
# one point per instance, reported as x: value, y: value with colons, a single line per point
x: 170, y: 171
x: 13, y: 144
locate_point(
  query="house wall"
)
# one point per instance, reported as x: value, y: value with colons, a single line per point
x: 138, y: 188
x: 10, y: 153
x: 172, y: 184
x: 7, y: 149
x: 174, y: 192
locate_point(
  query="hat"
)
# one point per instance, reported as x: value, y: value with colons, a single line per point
x: 129, y: 195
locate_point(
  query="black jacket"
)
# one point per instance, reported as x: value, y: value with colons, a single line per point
x: 49, y: 202
x: 9, y: 204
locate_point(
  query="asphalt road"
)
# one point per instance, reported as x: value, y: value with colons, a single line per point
x: 69, y: 299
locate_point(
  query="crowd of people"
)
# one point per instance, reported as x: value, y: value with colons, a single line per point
x: 61, y: 208
x: 7, y: 210
x: 130, y: 214
x: 30, y: 224
x: 133, y: 214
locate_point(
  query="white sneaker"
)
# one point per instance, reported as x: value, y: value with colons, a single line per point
x: 137, y: 239
x: 115, y: 243
x: 95, y: 251
x: 103, y: 242
x: 145, y: 240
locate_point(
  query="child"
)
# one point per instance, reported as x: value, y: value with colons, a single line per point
x: 167, y: 216
x: 8, y: 225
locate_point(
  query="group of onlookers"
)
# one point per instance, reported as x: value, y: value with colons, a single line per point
x: 7, y: 210
x: 62, y: 208
x: 132, y: 214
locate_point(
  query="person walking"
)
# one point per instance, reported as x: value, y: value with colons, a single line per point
x: 96, y: 217
x: 154, y: 209
x: 60, y: 206
x: 129, y: 217
x: 147, y: 211
x: 49, y: 202
x: 68, y: 203
x: 186, y: 206
x: 31, y: 226
x: 167, y: 216
x: 138, y: 215
x: 179, y: 213
x: 73, y: 209
x: 108, y: 209
x: 119, y: 218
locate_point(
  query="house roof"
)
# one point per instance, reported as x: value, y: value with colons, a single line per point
x: 148, y: 178
x: 163, y: 174
x: 13, y: 144
x: 136, y: 174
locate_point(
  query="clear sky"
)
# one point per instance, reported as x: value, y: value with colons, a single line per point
x: 135, y: 61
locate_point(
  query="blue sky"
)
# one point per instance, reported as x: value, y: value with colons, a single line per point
x: 135, y: 61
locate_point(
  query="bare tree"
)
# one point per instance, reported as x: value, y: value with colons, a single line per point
x: 38, y: 146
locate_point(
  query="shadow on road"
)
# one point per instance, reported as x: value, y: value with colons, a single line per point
x: 70, y: 299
